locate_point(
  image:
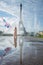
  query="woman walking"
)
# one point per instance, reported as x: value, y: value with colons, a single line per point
x: 15, y: 37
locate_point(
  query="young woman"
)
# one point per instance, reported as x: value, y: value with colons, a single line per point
x: 15, y: 37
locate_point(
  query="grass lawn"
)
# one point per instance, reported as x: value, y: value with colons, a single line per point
x: 40, y: 36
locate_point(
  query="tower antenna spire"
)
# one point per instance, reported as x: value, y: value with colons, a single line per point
x: 21, y: 11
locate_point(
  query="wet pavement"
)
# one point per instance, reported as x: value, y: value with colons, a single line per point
x: 27, y: 53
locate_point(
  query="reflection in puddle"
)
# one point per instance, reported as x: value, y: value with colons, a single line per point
x: 26, y: 53
x: 21, y: 48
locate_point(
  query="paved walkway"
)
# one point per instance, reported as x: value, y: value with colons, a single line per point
x: 32, y: 54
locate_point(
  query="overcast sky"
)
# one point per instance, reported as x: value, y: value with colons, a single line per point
x: 32, y: 14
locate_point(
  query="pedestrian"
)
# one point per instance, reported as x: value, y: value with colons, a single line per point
x: 15, y: 36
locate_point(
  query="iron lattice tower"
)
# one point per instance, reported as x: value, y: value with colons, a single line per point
x: 22, y: 30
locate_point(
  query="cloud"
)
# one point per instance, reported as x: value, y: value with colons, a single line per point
x: 29, y: 8
x: 8, y: 8
x: 14, y: 10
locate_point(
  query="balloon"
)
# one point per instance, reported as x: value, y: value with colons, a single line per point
x: 6, y: 23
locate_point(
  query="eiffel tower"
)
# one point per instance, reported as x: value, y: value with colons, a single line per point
x: 22, y: 30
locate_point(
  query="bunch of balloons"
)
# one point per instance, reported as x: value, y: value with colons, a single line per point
x: 6, y: 23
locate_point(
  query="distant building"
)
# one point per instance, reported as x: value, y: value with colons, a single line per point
x: 1, y: 32
x: 31, y: 33
x: 40, y: 32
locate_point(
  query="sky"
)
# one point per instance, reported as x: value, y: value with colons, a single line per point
x: 32, y: 14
